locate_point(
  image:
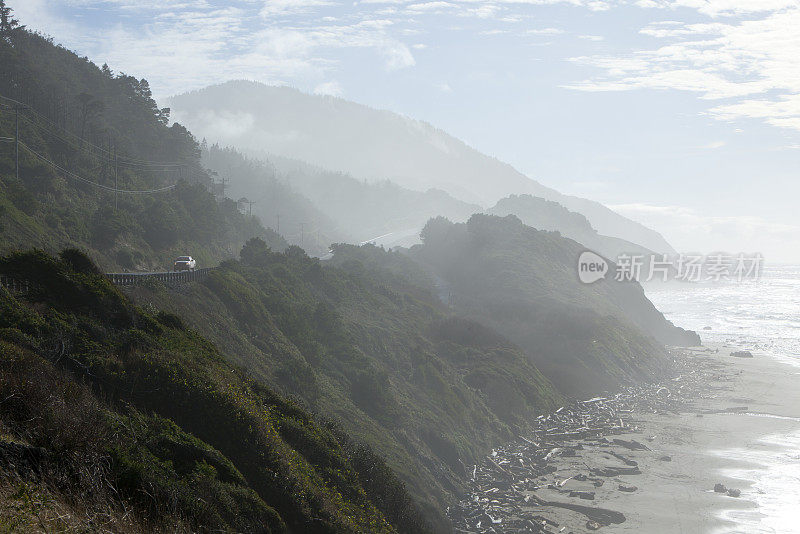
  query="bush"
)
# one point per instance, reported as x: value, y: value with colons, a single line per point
x: 128, y: 258
x: 79, y: 261
x: 170, y: 320
x: 370, y: 390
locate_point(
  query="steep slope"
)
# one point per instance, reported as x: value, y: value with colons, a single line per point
x: 128, y: 414
x: 128, y: 418
x: 373, y: 145
x: 522, y: 282
x: 366, y: 342
x: 259, y: 189
x: 85, y: 132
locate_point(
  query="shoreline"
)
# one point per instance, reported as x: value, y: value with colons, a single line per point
x: 739, y: 426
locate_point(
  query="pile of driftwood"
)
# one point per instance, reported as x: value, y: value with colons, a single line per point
x: 504, y: 487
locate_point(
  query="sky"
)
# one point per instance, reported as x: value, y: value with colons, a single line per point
x: 681, y: 114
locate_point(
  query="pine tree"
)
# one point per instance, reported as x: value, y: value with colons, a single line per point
x: 7, y: 22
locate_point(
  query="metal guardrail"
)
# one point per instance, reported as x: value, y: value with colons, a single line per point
x: 168, y: 277
x: 16, y: 285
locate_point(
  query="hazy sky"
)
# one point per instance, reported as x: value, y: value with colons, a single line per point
x: 683, y: 114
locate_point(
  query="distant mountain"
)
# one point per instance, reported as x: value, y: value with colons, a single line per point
x: 312, y: 207
x: 548, y: 215
x: 374, y: 145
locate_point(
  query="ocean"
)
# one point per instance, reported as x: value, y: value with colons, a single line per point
x: 762, y: 316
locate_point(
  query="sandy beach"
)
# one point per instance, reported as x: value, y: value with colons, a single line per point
x: 749, y: 446
x: 741, y: 429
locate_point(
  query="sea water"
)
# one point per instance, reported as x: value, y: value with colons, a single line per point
x: 762, y: 316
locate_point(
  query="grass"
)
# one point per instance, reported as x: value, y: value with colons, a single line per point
x: 122, y: 398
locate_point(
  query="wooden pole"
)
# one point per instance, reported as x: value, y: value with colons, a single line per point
x: 16, y: 142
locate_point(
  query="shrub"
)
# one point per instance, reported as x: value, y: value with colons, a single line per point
x: 170, y: 320
x: 79, y: 261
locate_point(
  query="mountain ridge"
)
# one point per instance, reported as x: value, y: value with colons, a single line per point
x: 371, y: 144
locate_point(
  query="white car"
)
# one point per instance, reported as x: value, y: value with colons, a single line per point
x: 185, y: 263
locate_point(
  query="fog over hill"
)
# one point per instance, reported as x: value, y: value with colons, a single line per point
x: 549, y: 215
x: 373, y: 145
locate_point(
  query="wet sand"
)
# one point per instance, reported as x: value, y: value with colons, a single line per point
x: 710, y: 448
x: 719, y: 435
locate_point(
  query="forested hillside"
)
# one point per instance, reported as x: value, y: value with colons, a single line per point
x: 522, y: 282
x: 85, y: 132
x: 548, y: 215
x: 120, y: 418
x: 367, y: 342
x: 313, y: 207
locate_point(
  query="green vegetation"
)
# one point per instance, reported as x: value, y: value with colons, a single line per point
x: 276, y: 202
x: 331, y: 206
x: 119, y: 408
x: 548, y: 215
x: 366, y: 341
x: 104, y: 130
x: 190, y: 409
x: 522, y: 282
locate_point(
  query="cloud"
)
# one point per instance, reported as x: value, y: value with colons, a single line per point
x: 753, y: 59
x: 783, y: 112
x: 714, y: 145
x: 225, y: 124
x: 430, y: 7
x: 717, y: 8
x: 545, y: 31
x: 283, y: 7
x: 186, y: 44
x: 745, y: 54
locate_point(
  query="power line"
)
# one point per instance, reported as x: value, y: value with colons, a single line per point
x: 129, y: 160
x: 16, y: 142
x: 103, y: 152
x: 95, y: 184
x: 250, y: 206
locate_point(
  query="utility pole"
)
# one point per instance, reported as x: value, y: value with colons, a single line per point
x: 16, y: 141
x: 115, y: 178
x: 302, y: 233
x: 278, y: 229
x: 250, y: 207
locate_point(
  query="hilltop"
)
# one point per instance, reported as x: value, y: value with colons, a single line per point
x: 548, y: 215
x: 522, y: 283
